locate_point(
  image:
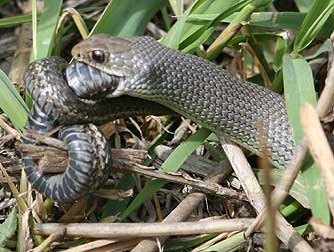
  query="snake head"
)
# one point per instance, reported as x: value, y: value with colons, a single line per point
x: 111, y: 55
x: 128, y: 60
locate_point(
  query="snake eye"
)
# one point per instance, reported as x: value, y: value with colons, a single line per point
x: 98, y: 56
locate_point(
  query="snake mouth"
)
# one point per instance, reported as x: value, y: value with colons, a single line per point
x: 88, y: 82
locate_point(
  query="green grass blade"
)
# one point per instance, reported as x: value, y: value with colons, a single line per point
x: 114, y: 207
x: 313, y: 22
x: 44, y: 36
x: 232, y: 243
x: 177, y: 6
x: 298, y: 89
x: 189, y: 34
x: 8, y: 228
x: 172, y: 164
x: 127, y: 17
x: 280, y: 49
x: 11, y: 102
x: 173, y: 37
x: 12, y: 21
x: 280, y: 20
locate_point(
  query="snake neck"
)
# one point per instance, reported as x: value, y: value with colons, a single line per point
x: 200, y: 90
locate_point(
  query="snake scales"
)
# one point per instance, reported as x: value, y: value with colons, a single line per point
x: 125, y: 76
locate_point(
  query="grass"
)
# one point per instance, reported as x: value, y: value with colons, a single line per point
x: 219, y: 26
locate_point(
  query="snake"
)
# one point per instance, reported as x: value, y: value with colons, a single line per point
x: 116, y: 77
x: 55, y: 104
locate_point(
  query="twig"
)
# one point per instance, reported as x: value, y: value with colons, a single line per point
x: 242, y: 168
x: 124, y: 160
x: 126, y: 230
x: 281, y: 191
x: 259, y: 64
x: 196, y: 184
x: 180, y: 213
x: 57, y: 235
x: 9, y: 129
x: 22, y: 204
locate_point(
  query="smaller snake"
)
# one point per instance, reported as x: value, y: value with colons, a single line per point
x: 89, y: 161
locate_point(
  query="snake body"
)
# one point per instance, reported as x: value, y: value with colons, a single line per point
x: 194, y: 87
x: 124, y: 76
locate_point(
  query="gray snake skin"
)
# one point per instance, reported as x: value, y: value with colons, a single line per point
x: 118, y: 77
x: 194, y: 87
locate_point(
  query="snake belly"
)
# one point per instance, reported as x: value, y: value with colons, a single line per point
x: 194, y: 87
x: 89, y: 160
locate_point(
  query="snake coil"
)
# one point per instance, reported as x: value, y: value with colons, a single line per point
x: 89, y: 161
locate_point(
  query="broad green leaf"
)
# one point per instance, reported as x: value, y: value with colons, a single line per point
x: 304, y: 5
x: 315, y: 190
x: 325, y: 47
x: 297, y: 191
x: 8, y: 228
x: 127, y: 17
x: 114, y: 207
x: 172, y: 164
x: 298, y: 89
x: 313, y: 22
x: 11, y: 102
x: 46, y: 28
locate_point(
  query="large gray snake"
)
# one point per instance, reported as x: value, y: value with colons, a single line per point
x: 125, y: 76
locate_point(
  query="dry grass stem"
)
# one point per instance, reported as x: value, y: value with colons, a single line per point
x: 281, y: 191
x: 180, y: 213
x: 52, y: 238
x: 284, y: 231
x: 259, y: 65
x: 127, y: 230
x: 105, y: 246
x: 326, y: 99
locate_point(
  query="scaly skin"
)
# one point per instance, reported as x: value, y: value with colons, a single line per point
x: 89, y: 161
x: 193, y: 87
